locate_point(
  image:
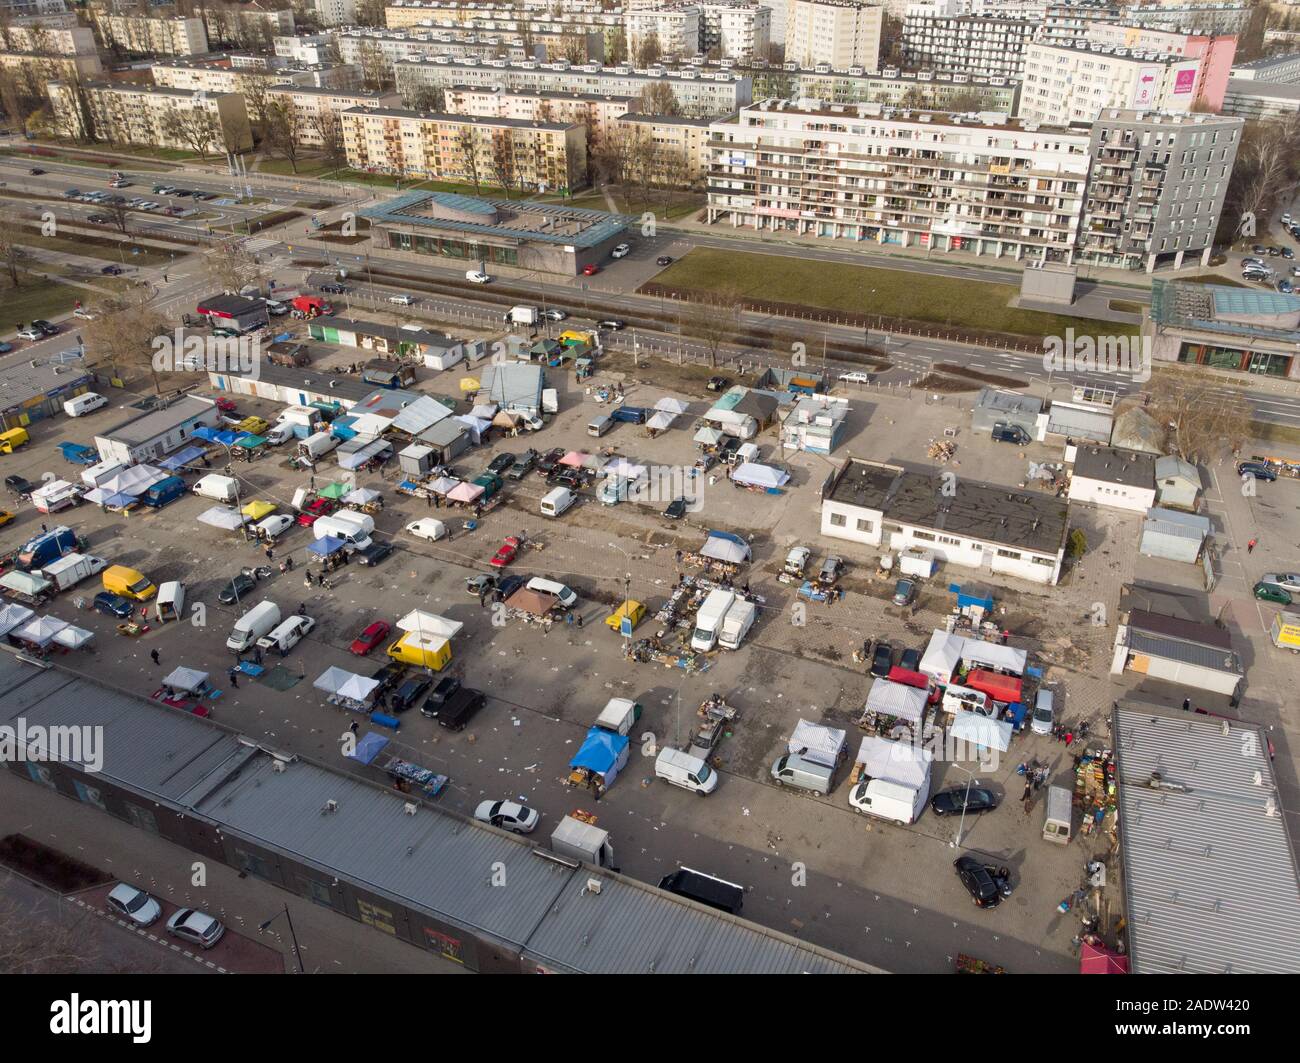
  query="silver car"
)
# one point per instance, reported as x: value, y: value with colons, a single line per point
x: 508, y: 815
x: 133, y: 904
x: 198, y: 928
x: 1288, y: 581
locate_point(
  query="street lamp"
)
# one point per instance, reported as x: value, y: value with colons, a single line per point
x: 296, y: 950
x: 961, y: 826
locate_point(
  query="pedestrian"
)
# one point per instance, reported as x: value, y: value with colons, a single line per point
x: 482, y: 599
x: 1250, y: 546
x: 428, y: 501
x: 353, y: 727
x: 46, y: 527
x: 746, y: 586
x: 437, y: 501
x: 325, y: 584
x: 568, y: 619
x: 1005, y: 635
x: 257, y: 655
x: 154, y: 655
x: 546, y: 626
x: 579, y: 620
x: 313, y: 482
x: 234, y: 679
x: 270, y: 554
x: 1187, y: 704
x: 448, y: 533
x: 678, y: 557
x: 288, y: 561
x: 306, y: 576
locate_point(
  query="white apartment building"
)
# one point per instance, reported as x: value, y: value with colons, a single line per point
x: 334, y: 12
x: 837, y: 33
x: 309, y: 103
x: 305, y: 47
x: 246, y: 25
x: 35, y: 70
x: 502, y: 152
x: 1075, y: 83
x: 153, y: 35
x: 194, y: 76
x: 36, y: 36
x: 1273, y: 70
x: 679, y: 147
x: 387, y: 47
x: 599, y: 114
x: 985, y: 185
x: 937, y: 37
x: 151, y: 114
x: 738, y: 29
x: 697, y: 93
x: 676, y: 30
x: 401, y: 13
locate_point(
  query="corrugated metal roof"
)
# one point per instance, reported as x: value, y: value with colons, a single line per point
x: 1079, y: 424
x: 1187, y: 652
x: 1180, y: 525
x: 1197, y: 631
x: 1210, y: 877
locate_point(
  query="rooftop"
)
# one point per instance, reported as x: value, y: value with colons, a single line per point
x: 147, y: 426
x: 1260, y: 314
x: 1132, y: 468
x: 345, y: 389
x: 1002, y: 515
x: 1276, y: 90
x: 1008, y: 402
x: 459, y: 119
x: 21, y: 381
x: 1209, y: 870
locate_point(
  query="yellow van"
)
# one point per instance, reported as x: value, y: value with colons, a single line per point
x: 634, y: 610
x: 129, y: 583
x: 13, y: 439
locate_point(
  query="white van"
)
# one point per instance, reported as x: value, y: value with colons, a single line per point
x: 287, y: 635
x: 318, y: 445
x: 556, y: 502
x: 216, y: 487
x: 688, y: 772
x: 84, y: 404
x: 563, y: 594
x: 964, y: 699
x: 888, y: 800
x: 250, y: 627
x: 170, y: 603
x: 600, y: 425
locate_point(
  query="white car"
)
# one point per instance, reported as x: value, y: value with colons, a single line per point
x: 621, y: 251
x: 477, y: 276
x: 85, y: 315
x: 32, y: 334
x: 276, y: 308
x: 133, y: 905
x: 855, y: 378
x: 402, y: 300
x: 427, y: 528
x: 198, y: 928
x: 554, y: 314
x: 508, y: 815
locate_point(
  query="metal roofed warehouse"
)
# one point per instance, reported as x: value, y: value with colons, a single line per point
x: 1209, y: 870
x: 374, y: 855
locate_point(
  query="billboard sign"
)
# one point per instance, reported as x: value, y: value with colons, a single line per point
x: 1184, y: 81
x: 1147, y: 87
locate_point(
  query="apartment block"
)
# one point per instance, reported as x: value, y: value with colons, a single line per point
x: 1258, y: 100
x: 503, y: 152
x: 936, y: 37
x: 241, y: 73
x: 987, y: 185
x: 155, y: 115
x: 698, y: 93
x: 675, y: 150
x: 1214, y: 54
x: 1156, y: 187
x: 334, y: 12
x: 35, y: 70
x: 33, y: 8
x: 36, y: 36
x: 310, y: 103
x: 402, y: 13
x: 676, y: 30
x: 305, y: 47
x: 152, y: 35
x: 736, y: 29
x: 838, y: 33
x: 1190, y: 17
x: 1065, y: 83
x: 386, y: 47
x: 598, y: 114
x: 1273, y: 70
x: 248, y: 25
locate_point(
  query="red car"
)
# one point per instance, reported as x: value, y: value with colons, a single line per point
x: 373, y: 636
x: 317, y: 507
x: 225, y: 405
x: 507, y: 553
x: 590, y: 269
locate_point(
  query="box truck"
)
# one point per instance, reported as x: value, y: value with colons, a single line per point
x: 584, y: 842
x: 70, y: 569
x: 217, y: 487
x: 619, y: 715
x: 317, y: 446
x: 523, y: 315
x: 708, y: 621
x: 170, y: 603
x: 250, y: 627
x: 736, y: 624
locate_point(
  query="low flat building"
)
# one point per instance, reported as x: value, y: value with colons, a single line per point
x: 550, y: 238
x: 1174, y: 535
x: 1178, y: 482
x: 294, y: 386
x: 1210, y: 879
x: 1183, y: 652
x: 513, y: 386
x: 397, y: 340
x: 1244, y: 330
x: 815, y: 425
x: 980, y: 526
x: 1075, y: 422
x: 1006, y: 407
x: 1107, y: 476
x: 150, y: 436
x: 1270, y: 70
x: 1255, y: 100
x: 34, y: 389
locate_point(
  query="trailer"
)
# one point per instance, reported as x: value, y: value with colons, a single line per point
x: 1285, y: 631
x: 70, y: 569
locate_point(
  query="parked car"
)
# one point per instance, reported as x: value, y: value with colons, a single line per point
x: 388, y: 676
x: 563, y: 476
x: 5, y: 348
x: 550, y: 460
x: 910, y: 660
x: 374, y: 635
x: 676, y: 509
x: 1257, y: 469
x: 554, y: 314
x: 483, y: 583
x: 987, y: 884
x: 237, y: 589
x: 276, y: 308
x: 36, y: 171
x: 506, y: 553
x: 718, y: 383
x: 428, y: 528
x: 613, y: 324
x: 112, y: 271
x: 375, y: 552
x: 198, y: 928
x: 442, y: 690
x: 1285, y: 286
x: 975, y: 800
x: 1010, y: 433
x: 501, y: 463
x: 47, y: 328
x: 664, y: 260
x: 477, y: 276
x: 1288, y: 581
x: 882, y: 660
x: 1267, y: 592
x: 904, y: 592
x: 621, y: 251
x: 508, y: 815
x: 409, y: 692
x: 1287, y: 253
x: 522, y: 465
x: 333, y: 288
x: 133, y: 905
x: 19, y: 485
x: 97, y: 219
x: 30, y: 333
x: 113, y: 605
x: 830, y: 570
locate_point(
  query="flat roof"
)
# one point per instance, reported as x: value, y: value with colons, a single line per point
x: 1002, y: 515
x: 345, y: 389
x: 1008, y: 402
x: 1210, y: 876
x: 146, y: 426
x: 21, y: 382
x: 1278, y: 90
x: 1193, y: 631
x: 1112, y: 465
x: 459, y: 119
x: 1197, y: 306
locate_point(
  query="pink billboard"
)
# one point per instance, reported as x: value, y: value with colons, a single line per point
x: 1184, y: 82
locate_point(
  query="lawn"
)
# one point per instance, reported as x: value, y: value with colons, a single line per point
x: 36, y: 297
x: 117, y: 159
x: 1125, y: 306
x: 308, y: 167
x: 870, y: 290
x: 103, y: 247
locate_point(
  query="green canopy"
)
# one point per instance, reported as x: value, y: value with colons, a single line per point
x: 248, y: 441
x: 335, y: 491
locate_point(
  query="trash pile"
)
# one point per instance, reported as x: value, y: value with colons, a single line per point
x: 941, y: 449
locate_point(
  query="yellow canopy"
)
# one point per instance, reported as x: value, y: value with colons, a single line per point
x: 468, y: 383
x: 256, y: 509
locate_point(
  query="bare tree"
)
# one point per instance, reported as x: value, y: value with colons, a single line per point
x: 118, y: 216
x: 616, y: 47
x: 1204, y: 420
x: 328, y: 129
x: 10, y: 252
x: 194, y: 127
x: 374, y: 67
x: 254, y: 91
x: 658, y: 98
x: 429, y: 98
x: 122, y: 338
x: 467, y: 145
x: 503, y: 158
x: 714, y: 322
x: 648, y: 51
x: 284, y: 130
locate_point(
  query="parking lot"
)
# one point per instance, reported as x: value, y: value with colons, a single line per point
x: 883, y: 893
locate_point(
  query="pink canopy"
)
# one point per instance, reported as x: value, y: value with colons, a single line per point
x: 575, y: 459
x: 1097, y: 959
x: 464, y: 492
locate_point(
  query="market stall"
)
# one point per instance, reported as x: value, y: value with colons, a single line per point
x: 186, y: 681
x: 465, y: 494
x: 426, y: 641
x: 38, y: 632
x: 891, y: 706
x: 72, y: 638
x: 598, y: 761
x: 225, y: 518
x: 760, y: 477
x: 27, y: 587
x: 818, y: 743
x: 980, y: 731
x: 257, y: 510
x: 13, y: 616
x: 941, y: 656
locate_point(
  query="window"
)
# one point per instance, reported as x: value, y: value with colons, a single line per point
x: 1013, y: 554
x: 925, y: 536
x: 863, y: 525
x: 837, y: 520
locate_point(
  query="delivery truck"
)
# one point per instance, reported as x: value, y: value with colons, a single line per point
x: 217, y: 487
x: 353, y: 528
x: 523, y: 315
x: 708, y: 621
x: 44, y: 548
x: 1285, y: 631
x: 70, y: 569
x: 736, y: 624
x: 317, y: 446
x: 585, y: 842
x: 164, y: 492
x: 258, y: 621
x: 129, y: 583
x: 619, y: 715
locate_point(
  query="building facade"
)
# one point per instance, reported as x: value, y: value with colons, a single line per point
x: 675, y: 30
x: 936, y: 37
x: 1240, y: 330
x: 1273, y: 70
x: 890, y: 87
x: 598, y: 114
x: 310, y: 105
x: 838, y: 33
x: 36, y: 36
x: 153, y: 35
x: 1256, y: 100
x: 123, y: 113
x: 674, y: 150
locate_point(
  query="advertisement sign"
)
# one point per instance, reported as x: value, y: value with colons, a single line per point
x: 1184, y: 82
x: 1148, y: 84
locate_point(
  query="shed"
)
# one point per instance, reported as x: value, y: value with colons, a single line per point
x: 415, y: 460
x: 448, y: 439
x: 1174, y: 535
x: 1081, y: 423
x: 1178, y: 482
x: 1005, y: 407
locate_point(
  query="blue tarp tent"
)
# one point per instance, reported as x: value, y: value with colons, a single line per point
x: 218, y: 435
x: 368, y: 747
x: 181, y: 457
x: 326, y: 545
x: 603, y: 753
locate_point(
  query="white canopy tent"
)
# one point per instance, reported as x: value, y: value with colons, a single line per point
x: 25, y: 583
x: 941, y: 656
x: 720, y: 549
x: 751, y: 472
x: 187, y: 679
x: 73, y: 638
x: 708, y: 436
x: 817, y: 742
x: 360, y: 496
x: 332, y: 679
x: 977, y: 730
x: 13, y: 615
x: 358, y: 687
x: 628, y: 470
x: 661, y: 420
x: 227, y: 518
x: 670, y: 405
x: 980, y: 654
x: 896, y: 699
x: 429, y: 625
x: 134, y: 480
x: 40, y: 630
x: 898, y: 762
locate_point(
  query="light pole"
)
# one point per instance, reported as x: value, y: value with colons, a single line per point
x: 961, y: 826
x: 294, y: 937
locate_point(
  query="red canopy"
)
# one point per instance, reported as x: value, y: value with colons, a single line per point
x: 1097, y: 959
x: 909, y: 678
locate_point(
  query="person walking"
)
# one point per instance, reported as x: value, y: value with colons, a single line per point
x: 306, y: 576
x: 270, y: 554
x: 154, y: 655
x: 579, y: 620
x: 428, y: 501
x: 234, y: 679
x: 1187, y: 704
x: 1250, y: 546
x: 353, y: 727
x: 1028, y: 797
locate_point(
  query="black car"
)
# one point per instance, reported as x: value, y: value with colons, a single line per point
x: 439, y: 695
x: 459, y: 709
x: 1010, y: 433
x: 563, y: 476
x: 238, y: 588
x: 411, y: 691
x: 375, y: 552
x: 1257, y: 469
x: 676, y: 509
x: 509, y: 584
x: 46, y: 328
x: 113, y: 605
x: 882, y: 660
x: 910, y: 661
x: 19, y: 485
x: 664, y: 260
x: 522, y: 465
x: 36, y: 171
x: 1274, y: 250
x: 501, y: 463
x: 718, y: 383
x: 976, y: 800
x: 612, y: 323
x: 987, y: 884
x: 111, y: 271
x: 333, y: 289
x: 96, y: 219
x: 388, y: 676
x: 548, y: 461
